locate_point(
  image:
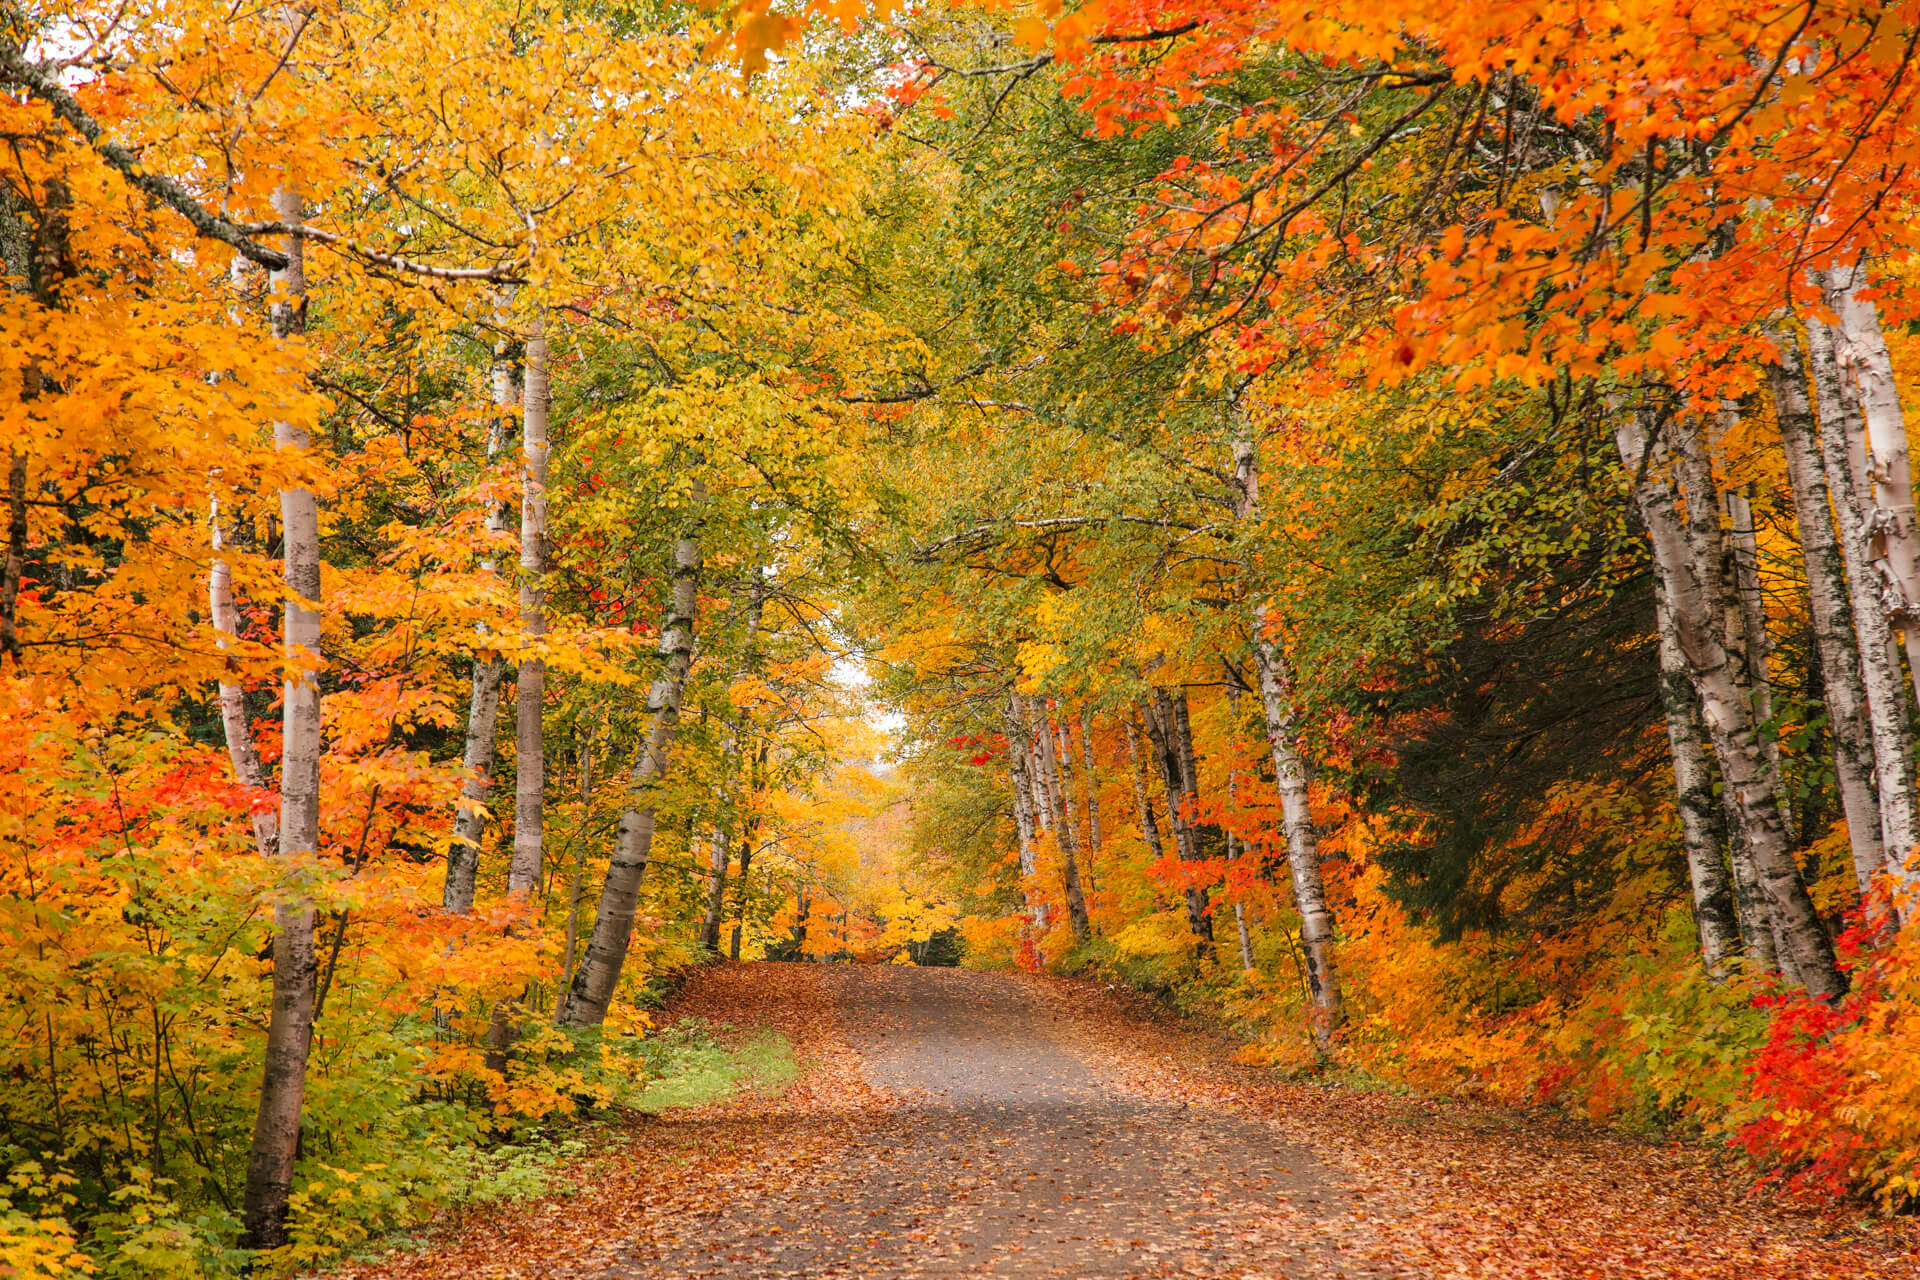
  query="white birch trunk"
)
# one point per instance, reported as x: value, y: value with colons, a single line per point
x: 1714, y: 912
x: 599, y: 973
x: 1830, y: 613
x: 1025, y: 821
x: 1296, y: 817
x: 1755, y: 642
x: 483, y: 705
x: 1861, y: 350
x: 530, y: 754
x: 276, y: 1129
x: 1882, y: 683
x: 1290, y: 778
x: 1690, y: 600
x: 234, y: 724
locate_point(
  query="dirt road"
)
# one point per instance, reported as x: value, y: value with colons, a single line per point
x: 953, y: 1123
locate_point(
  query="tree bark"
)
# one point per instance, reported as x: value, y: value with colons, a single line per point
x: 483, y: 706
x: 1713, y: 903
x: 1861, y: 350
x: 1090, y: 792
x: 234, y: 724
x: 16, y: 563
x: 1142, y: 803
x: 1026, y: 826
x: 1296, y: 818
x: 276, y: 1129
x: 1162, y: 732
x: 599, y: 973
x: 1691, y: 600
x: 579, y: 863
x: 1755, y: 642
x: 740, y: 891
x: 1063, y: 830
x: 1884, y: 689
x: 1290, y: 778
x: 529, y: 713
x: 1830, y: 613
x: 720, y: 849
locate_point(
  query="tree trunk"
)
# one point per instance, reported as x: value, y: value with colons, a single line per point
x: 1290, y: 778
x: 740, y: 891
x: 1754, y: 641
x: 1063, y: 831
x: 1296, y: 819
x: 1090, y: 793
x: 1713, y: 904
x: 1690, y: 595
x: 723, y: 828
x: 276, y: 1129
x: 1075, y: 783
x: 1862, y: 353
x: 1246, y: 940
x: 529, y: 713
x: 579, y: 862
x: 483, y: 706
x: 599, y: 974
x: 1885, y: 690
x: 802, y: 907
x: 1142, y: 803
x: 1162, y: 732
x: 16, y: 564
x: 721, y: 849
x: 1830, y: 612
x: 1026, y: 827
x: 234, y: 724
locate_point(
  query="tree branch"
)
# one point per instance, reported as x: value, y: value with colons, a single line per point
x: 43, y: 85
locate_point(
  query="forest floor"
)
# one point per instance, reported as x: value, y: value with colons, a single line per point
x: 954, y: 1123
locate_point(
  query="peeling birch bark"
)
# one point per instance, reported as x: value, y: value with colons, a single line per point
x: 1830, y: 613
x: 1882, y: 683
x: 1690, y: 597
x: 1713, y: 903
x: 1861, y: 350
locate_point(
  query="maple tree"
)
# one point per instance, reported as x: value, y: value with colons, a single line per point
x: 1393, y: 524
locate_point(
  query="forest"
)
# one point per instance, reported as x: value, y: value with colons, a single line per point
x: 1387, y: 528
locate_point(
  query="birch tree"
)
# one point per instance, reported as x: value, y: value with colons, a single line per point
x: 598, y: 976
x: 276, y: 1131
x: 1690, y: 595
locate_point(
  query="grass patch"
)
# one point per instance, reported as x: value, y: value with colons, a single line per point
x: 688, y: 1067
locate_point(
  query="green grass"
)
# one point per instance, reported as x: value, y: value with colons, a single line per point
x: 688, y: 1067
